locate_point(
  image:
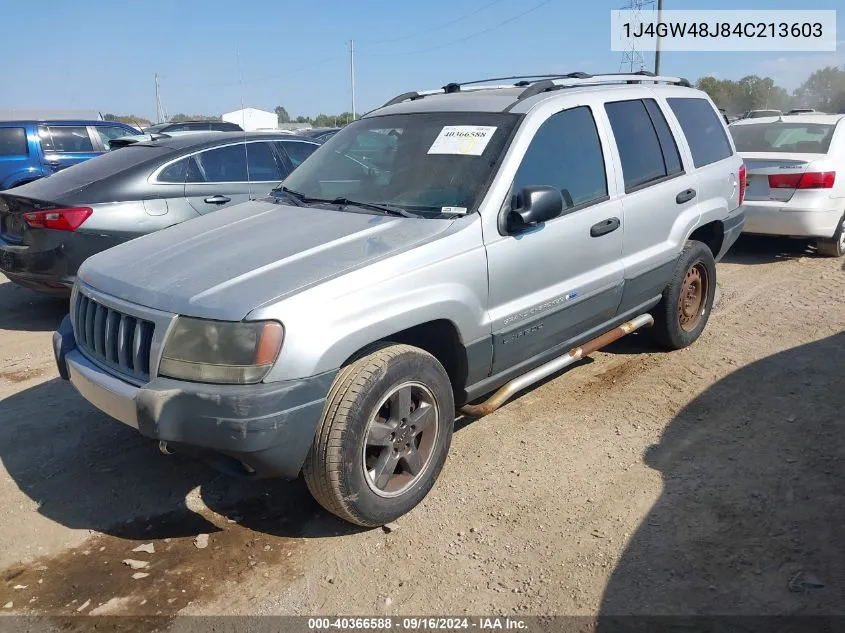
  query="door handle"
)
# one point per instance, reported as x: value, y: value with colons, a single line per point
x: 218, y: 200
x: 604, y: 227
x: 685, y: 196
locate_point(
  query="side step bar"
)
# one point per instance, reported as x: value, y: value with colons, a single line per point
x: 507, y: 391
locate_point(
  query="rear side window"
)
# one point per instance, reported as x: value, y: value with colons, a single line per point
x: 65, y: 139
x: 297, y: 151
x: 13, y: 141
x: 640, y: 150
x: 565, y: 153
x: 262, y: 163
x: 671, y: 157
x: 704, y: 131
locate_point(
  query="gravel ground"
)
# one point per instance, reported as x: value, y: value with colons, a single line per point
x: 706, y: 481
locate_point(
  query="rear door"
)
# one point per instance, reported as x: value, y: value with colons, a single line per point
x: 231, y: 174
x: 660, y: 202
x: 66, y: 145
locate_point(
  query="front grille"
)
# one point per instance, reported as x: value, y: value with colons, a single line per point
x: 119, y: 340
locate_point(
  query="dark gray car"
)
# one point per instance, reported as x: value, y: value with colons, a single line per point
x: 49, y: 227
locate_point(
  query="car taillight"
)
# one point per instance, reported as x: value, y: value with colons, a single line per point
x: 807, y: 180
x: 784, y: 181
x: 58, y: 219
x: 743, y: 178
x: 817, y: 180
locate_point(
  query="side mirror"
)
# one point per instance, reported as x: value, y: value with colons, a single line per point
x: 535, y: 204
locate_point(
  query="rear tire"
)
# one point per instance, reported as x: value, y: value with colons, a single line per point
x: 384, y: 435
x: 833, y: 246
x: 682, y: 314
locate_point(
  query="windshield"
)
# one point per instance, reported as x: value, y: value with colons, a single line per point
x: 799, y: 138
x: 438, y: 162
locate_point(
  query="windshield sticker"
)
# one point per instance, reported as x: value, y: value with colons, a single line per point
x: 464, y: 140
x: 458, y: 210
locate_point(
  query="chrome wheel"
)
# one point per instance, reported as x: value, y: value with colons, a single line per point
x: 400, y: 439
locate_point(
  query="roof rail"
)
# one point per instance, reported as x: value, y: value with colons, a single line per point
x: 536, y: 84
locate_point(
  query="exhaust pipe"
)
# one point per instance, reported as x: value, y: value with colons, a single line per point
x: 164, y: 449
x: 516, y: 385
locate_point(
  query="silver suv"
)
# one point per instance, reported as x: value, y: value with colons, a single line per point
x: 448, y: 245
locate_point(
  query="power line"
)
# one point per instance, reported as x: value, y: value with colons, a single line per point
x: 445, y: 25
x: 471, y: 35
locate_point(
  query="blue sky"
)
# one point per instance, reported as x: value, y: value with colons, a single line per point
x: 102, y: 55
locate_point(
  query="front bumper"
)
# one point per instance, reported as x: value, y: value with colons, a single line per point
x: 269, y: 427
x: 775, y: 218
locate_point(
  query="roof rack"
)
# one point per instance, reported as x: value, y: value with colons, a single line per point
x: 537, y: 84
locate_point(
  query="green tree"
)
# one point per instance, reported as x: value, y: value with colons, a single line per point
x: 824, y: 90
x: 749, y: 93
x: 193, y: 117
x: 282, y: 114
x: 127, y: 118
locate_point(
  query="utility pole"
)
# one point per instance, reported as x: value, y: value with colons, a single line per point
x: 158, y: 102
x: 352, y: 73
x: 657, y: 52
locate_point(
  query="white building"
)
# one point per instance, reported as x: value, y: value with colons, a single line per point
x: 253, y: 119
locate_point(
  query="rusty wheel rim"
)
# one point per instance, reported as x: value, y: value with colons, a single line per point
x: 693, y: 296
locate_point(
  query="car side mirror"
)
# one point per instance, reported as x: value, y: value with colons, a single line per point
x: 535, y: 204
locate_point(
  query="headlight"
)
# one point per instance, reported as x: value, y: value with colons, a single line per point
x: 221, y: 351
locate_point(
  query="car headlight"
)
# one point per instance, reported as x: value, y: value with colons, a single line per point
x: 221, y: 351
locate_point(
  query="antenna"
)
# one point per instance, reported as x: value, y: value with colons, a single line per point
x: 243, y: 123
x: 632, y: 59
x: 352, y: 73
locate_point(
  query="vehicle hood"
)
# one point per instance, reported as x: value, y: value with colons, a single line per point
x: 225, y: 264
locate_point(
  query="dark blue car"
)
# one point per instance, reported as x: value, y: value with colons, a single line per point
x: 30, y: 150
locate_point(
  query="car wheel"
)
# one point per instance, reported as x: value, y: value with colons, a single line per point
x: 385, y: 432
x: 682, y: 313
x: 833, y: 246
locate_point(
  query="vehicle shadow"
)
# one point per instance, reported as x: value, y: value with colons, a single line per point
x: 762, y: 249
x: 750, y: 517
x: 26, y: 310
x: 87, y: 471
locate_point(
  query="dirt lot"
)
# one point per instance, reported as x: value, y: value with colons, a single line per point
x: 699, y: 482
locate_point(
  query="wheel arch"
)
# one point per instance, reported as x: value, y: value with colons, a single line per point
x: 711, y: 234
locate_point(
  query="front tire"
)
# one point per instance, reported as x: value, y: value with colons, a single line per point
x: 833, y: 246
x: 682, y: 313
x: 384, y: 436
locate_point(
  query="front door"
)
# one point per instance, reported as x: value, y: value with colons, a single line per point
x: 562, y: 278
x: 65, y: 145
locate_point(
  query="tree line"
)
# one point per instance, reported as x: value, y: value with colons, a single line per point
x: 824, y: 90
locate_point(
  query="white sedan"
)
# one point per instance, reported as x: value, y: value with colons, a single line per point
x: 796, y: 177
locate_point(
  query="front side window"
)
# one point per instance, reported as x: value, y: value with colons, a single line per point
x: 13, y: 141
x: 425, y: 162
x: 704, y: 130
x: 108, y: 133
x: 65, y: 139
x: 566, y: 154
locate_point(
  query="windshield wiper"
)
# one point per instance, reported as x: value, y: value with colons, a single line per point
x: 402, y: 213
x: 298, y: 198
x: 342, y: 202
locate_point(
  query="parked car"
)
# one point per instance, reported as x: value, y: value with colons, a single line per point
x: 333, y: 327
x: 49, y: 227
x: 796, y: 177
x: 30, y: 150
x: 193, y: 126
x: 321, y: 134
x: 757, y: 114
